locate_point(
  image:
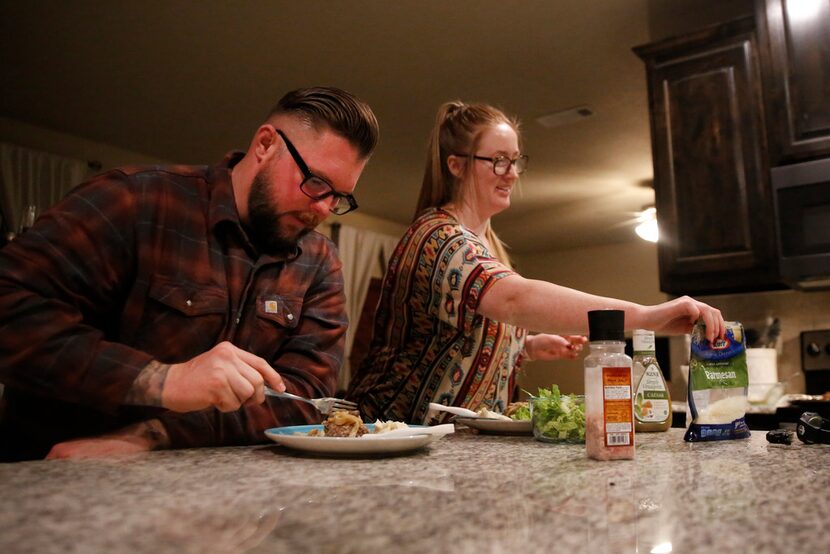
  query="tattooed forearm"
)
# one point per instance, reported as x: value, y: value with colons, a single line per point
x: 151, y: 432
x: 147, y: 387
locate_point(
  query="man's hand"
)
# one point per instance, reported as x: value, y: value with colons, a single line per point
x: 225, y: 377
x: 553, y: 347
x: 140, y: 437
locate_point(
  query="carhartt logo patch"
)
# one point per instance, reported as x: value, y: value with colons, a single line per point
x: 271, y: 307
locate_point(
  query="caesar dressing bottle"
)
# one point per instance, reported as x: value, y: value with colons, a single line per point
x: 652, y: 402
x: 609, y: 417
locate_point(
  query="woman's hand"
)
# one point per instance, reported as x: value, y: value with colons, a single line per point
x: 678, y: 316
x: 553, y: 347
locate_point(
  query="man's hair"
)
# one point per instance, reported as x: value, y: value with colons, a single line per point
x: 341, y: 111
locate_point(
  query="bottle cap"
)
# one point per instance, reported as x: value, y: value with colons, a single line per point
x: 643, y: 340
x: 606, y: 325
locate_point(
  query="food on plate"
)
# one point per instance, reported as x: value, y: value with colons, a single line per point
x: 518, y: 411
x: 384, y: 426
x: 557, y: 417
x: 485, y: 412
x: 341, y: 424
x: 348, y: 424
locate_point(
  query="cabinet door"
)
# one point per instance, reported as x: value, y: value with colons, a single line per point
x: 710, y: 169
x: 795, y: 56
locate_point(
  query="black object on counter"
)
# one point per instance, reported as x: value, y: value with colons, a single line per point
x: 812, y: 429
x: 780, y: 436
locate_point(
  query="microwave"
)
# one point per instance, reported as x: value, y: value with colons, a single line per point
x: 801, y: 200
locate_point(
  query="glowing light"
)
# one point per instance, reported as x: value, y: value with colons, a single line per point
x: 646, y: 229
x: 662, y: 548
x: 803, y: 10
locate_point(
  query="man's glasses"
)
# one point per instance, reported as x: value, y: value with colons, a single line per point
x: 316, y: 187
x: 501, y: 164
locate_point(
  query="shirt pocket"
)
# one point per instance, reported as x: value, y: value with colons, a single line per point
x: 189, y: 299
x: 280, y: 310
x: 181, y: 319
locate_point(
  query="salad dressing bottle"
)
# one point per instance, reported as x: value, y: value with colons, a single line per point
x: 609, y: 411
x: 652, y: 401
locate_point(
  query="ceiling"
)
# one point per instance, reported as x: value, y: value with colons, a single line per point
x: 187, y: 81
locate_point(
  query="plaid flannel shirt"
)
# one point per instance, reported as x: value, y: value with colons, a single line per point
x: 143, y: 264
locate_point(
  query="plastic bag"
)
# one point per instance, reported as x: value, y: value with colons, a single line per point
x: 718, y: 382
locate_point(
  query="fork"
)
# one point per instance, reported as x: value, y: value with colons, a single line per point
x: 323, y: 405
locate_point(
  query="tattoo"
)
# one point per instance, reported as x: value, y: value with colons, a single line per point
x: 147, y: 387
x: 151, y: 431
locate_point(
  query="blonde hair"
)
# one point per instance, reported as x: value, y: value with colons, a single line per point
x: 458, y: 128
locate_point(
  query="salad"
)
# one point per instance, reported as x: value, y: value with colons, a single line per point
x: 558, y: 417
x: 518, y: 411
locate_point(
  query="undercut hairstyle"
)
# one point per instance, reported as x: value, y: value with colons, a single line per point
x: 340, y: 111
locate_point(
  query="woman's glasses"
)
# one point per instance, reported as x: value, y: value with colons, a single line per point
x: 501, y: 164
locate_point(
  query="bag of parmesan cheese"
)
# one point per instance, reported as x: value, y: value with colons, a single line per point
x: 718, y: 381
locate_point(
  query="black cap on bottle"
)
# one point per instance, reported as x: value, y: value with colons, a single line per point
x: 606, y: 325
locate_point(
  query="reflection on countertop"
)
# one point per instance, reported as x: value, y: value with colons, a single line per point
x: 465, y: 493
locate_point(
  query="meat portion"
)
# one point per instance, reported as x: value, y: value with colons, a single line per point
x: 344, y: 424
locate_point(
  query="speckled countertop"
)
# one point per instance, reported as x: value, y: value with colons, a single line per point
x: 464, y: 493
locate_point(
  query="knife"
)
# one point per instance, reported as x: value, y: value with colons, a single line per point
x: 453, y: 410
x: 439, y: 430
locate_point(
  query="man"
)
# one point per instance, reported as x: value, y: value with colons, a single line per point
x: 150, y: 308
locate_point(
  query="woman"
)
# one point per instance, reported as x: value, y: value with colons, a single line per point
x: 451, y: 323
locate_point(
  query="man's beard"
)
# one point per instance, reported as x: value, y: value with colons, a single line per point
x: 268, y: 233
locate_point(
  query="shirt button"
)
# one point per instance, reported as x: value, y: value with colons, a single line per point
x: 189, y: 302
x: 290, y: 317
x: 237, y: 321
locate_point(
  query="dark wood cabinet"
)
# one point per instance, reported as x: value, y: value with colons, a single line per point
x: 794, y: 48
x: 711, y: 170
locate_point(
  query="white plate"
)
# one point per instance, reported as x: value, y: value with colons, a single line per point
x: 296, y: 437
x: 496, y: 426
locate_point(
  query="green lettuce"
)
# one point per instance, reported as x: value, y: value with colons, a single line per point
x: 558, y: 416
x: 522, y: 414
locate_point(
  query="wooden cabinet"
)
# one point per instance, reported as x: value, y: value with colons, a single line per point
x: 794, y: 48
x: 711, y: 171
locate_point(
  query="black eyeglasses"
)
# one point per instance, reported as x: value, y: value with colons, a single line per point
x: 316, y: 187
x: 501, y: 164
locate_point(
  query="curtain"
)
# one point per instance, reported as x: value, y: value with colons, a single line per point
x: 364, y: 254
x: 30, y: 177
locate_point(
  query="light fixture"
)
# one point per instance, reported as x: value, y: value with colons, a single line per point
x: 799, y: 11
x: 646, y: 227
x: 662, y: 548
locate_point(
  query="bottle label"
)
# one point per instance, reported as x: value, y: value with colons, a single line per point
x: 651, y: 403
x: 643, y: 341
x: 617, y: 411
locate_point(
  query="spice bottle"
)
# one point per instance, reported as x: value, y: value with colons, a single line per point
x: 609, y: 412
x: 652, y: 402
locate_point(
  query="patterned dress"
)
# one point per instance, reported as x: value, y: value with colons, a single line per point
x: 429, y: 342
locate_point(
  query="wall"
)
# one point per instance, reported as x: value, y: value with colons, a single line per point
x: 627, y: 271
x: 56, y: 142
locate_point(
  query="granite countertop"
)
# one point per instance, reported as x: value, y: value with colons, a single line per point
x: 464, y: 493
